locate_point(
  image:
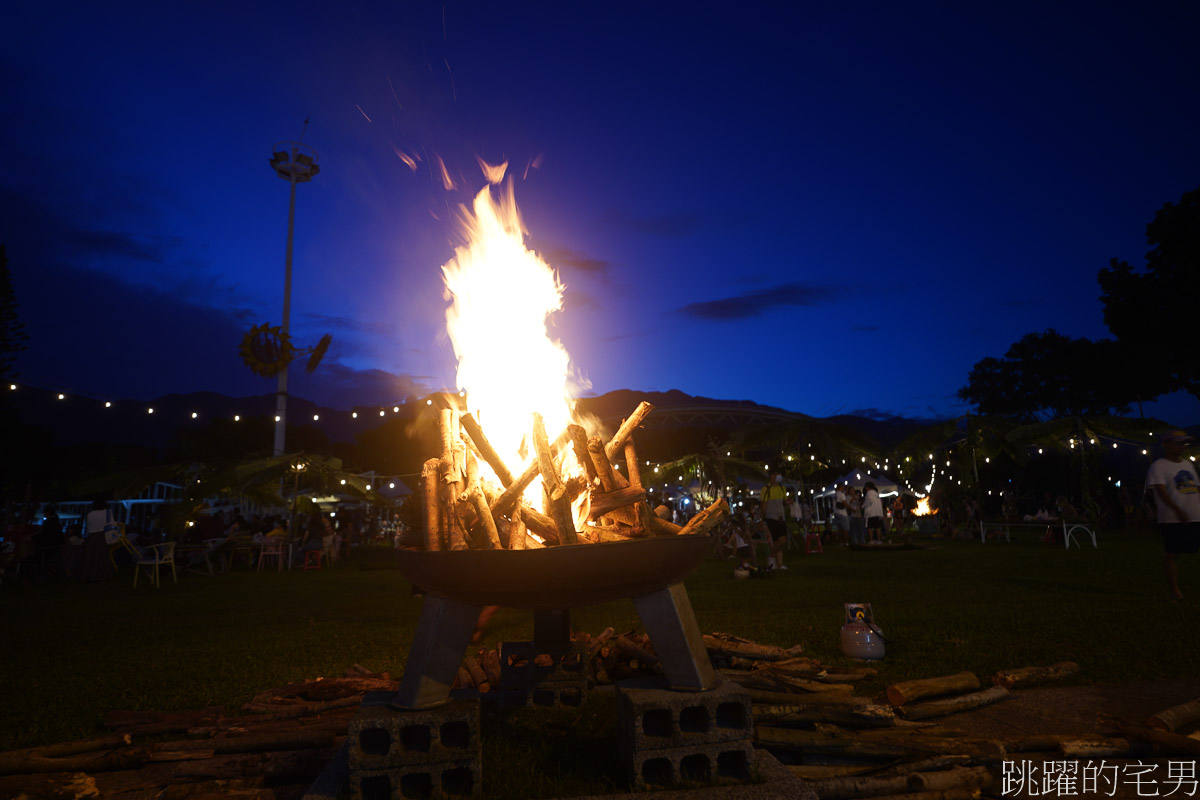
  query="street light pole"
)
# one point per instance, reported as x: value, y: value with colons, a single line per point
x: 295, y: 162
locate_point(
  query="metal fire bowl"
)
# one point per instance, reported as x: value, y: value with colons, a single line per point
x: 568, y: 576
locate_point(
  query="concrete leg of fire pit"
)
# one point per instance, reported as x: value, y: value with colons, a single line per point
x: 671, y: 623
x: 443, y: 633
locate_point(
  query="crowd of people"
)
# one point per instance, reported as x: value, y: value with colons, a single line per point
x: 88, y: 547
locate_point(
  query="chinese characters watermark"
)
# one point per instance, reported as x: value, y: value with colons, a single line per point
x: 1074, y: 778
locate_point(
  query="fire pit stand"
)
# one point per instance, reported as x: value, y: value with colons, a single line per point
x: 550, y: 581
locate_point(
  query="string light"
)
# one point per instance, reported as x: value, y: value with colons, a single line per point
x: 108, y: 404
x: 149, y: 410
x: 62, y: 397
x: 354, y: 415
x: 237, y: 417
x: 316, y: 417
x: 277, y: 418
x: 194, y: 415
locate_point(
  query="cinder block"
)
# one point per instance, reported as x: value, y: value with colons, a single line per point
x: 652, y: 717
x: 382, y: 737
x: 459, y: 778
x: 720, y: 762
x: 519, y: 667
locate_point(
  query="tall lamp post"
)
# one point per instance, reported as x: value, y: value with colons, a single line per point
x: 295, y: 162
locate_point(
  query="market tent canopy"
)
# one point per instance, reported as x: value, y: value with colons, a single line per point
x: 859, y: 478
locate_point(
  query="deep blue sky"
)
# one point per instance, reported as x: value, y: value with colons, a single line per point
x: 824, y: 207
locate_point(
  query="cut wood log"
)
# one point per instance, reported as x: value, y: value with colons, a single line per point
x: 900, y: 693
x: 707, y: 518
x: 740, y: 647
x: 842, y: 788
x: 849, y: 716
x: 878, y: 744
x: 540, y: 524
x: 579, y: 441
x: 512, y: 494
x: 602, y: 464
x: 1099, y: 747
x: 598, y: 641
x: 964, y: 793
x: 434, y: 528
x: 965, y: 702
x: 943, y: 780
x: 776, y: 698
x: 516, y: 531
x: 611, y: 533
x: 661, y: 527
x: 451, y: 490
x: 1175, y: 717
x: 97, y: 761
x: 478, y: 677
x: 1031, y: 676
x: 816, y: 772
x: 490, y: 661
x: 607, y: 502
x: 489, y: 454
x: 643, y: 656
x: 485, y: 519
x: 628, y: 426
x: 541, y: 447
x: 74, y: 748
x: 152, y: 722
x: 60, y: 786
x: 1167, y: 742
x: 463, y: 679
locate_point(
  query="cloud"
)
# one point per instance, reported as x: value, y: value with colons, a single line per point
x: 347, y: 324
x: 671, y: 226
x: 339, y: 386
x: 752, y: 304
x: 559, y: 256
x: 102, y: 244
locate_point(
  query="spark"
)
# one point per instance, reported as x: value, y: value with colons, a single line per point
x: 453, y: 91
x: 356, y: 105
x: 393, y: 88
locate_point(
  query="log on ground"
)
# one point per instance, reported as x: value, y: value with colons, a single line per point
x: 953, y: 705
x: 905, y: 692
x: 1031, y: 676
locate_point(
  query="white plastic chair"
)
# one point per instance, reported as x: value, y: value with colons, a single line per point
x: 155, y: 556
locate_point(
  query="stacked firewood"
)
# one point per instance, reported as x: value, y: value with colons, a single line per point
x: 273, y: 754
x: 464, y: 509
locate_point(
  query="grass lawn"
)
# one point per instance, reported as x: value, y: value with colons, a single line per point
x: 70, y: 652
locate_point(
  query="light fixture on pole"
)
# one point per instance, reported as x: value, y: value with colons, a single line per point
x: 295, y: 162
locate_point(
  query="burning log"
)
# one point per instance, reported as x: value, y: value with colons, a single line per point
x: 579, y: 442
x: 661, y: 527
x: 602, y: 464
x: 1030, y: 676
x: 1175, y: 717
x: 617, y: 443
x: 451, y: 490
x: 485, y: 518
x: 539, y: 524
x: 516, y: 531
x: 606, y: 502
x: 434, y: 531
x: 486, y: 450
x: 900, y: 693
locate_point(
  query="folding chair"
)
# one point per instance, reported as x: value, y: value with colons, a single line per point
x: 154, y: 556
x: 271, y: 548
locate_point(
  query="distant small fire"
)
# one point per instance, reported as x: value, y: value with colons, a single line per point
x: 923, y: 509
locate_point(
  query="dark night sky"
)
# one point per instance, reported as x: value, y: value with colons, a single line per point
x: 824, y: 207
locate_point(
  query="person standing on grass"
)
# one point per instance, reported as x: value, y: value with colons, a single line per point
x: 873, y: 512
x: 1177, y: 497
x: 773, y: 495
x: 841, y: 515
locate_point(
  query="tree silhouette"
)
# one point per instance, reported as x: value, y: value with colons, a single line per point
x: 1152, y: 311
x: 12, y: 332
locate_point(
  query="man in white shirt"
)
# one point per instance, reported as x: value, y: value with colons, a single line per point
x: 1177, y: 496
